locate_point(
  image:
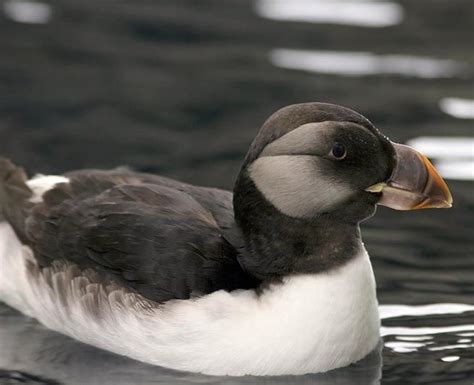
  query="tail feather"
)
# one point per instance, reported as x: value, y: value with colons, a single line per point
x: 14, y: 196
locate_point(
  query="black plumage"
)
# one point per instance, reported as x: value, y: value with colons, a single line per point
x: 169, y: 240
x: 157, y: 240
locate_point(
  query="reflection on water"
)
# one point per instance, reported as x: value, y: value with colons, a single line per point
x: 364, y: 63
x: 450, y: 358
x: 460, y: 170
x: 404, y: 347
x: 403, y: 339
x: 447, y: 147
x: 457, y: 107
x: 25, y: 11
x: 400, y: 330
x: 414, y: 338
x: 391, y: 311
x: 450, y: 347
x: 453, y: 156
x: 359, y: 13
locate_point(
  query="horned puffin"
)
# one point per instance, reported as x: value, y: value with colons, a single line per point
x: 271, y: 279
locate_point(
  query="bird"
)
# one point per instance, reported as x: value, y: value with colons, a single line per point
x: 270, y: 279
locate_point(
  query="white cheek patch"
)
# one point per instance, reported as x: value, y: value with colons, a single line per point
x: 40, y: 184
x: 295, y: 185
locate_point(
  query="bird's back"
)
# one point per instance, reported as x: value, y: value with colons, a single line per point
x: 156, y: 236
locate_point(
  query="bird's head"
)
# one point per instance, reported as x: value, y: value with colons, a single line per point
x: 316, y: 160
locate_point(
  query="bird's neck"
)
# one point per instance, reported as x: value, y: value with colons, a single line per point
x: 274, y: 245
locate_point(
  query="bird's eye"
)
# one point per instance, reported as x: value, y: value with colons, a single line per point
x: 338, y: 151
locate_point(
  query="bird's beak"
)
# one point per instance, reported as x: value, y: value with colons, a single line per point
x: 414, y: 184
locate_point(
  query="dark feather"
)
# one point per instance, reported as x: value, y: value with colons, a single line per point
x: 150, y: 234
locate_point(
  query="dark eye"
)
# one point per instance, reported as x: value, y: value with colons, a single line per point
x: 338, y: 151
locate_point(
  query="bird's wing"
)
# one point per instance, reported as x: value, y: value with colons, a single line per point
x: 154, y: 239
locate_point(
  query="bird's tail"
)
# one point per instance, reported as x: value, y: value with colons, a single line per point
x: 14, y: 196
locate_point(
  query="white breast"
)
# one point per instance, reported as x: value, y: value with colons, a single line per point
x: 310, y: 323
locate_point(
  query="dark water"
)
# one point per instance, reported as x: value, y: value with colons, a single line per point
x: 180, y: 88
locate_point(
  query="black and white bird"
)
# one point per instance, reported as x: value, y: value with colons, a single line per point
x: 270, y: 280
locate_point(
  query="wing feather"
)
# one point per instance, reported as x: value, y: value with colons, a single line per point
x: 157, y: 240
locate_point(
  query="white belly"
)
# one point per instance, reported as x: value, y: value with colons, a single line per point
x: 308, y: 324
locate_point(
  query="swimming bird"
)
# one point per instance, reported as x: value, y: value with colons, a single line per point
x: 271, y: 279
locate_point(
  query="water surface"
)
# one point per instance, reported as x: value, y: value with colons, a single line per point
x: 180, y: 88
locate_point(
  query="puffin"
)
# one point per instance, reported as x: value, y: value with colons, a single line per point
x: 270, y: 279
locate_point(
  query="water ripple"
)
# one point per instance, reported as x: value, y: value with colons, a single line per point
x: 457, y: 107
x: 392, y: 311
x: 357, y: 13
x: 454, y: 156
x: 23, y: 11
x: 349, y: 63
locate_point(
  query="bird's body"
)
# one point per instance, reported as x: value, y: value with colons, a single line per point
x: 273, y: 279
x: 288, y: 328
